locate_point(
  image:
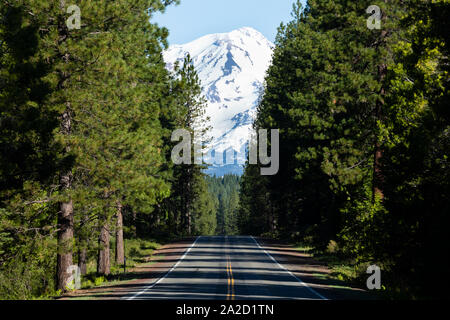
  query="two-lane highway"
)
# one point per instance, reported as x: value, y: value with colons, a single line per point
x: 226, y: 268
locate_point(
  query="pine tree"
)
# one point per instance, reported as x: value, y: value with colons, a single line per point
x: 29, y: 156
x: 416, y: 163
x: 187, y: 179
x: 105, y: 84
x: 363, y: 132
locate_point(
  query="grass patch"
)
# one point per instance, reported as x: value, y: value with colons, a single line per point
x: 342, y: 269
x: 304, y: 248
x: 351, y: 272
x: 137, y: 252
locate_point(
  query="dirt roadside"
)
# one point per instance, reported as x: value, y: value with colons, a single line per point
x: 312, y: 272
x: 161, y: 261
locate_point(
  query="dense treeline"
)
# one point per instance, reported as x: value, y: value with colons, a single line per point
x: 364, y: 138
x: 85, y: 137
x: 225, y: 192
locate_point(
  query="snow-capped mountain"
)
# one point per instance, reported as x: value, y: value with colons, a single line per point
x: 231, y: 67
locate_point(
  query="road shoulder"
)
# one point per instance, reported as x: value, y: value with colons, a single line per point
x: 137, y: 278
x: 312, y: 272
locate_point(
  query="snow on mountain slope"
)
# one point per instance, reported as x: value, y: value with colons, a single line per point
x: 231, y: 67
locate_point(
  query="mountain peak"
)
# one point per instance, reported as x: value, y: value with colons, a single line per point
x: 231, y: 67
x: 248, y: 31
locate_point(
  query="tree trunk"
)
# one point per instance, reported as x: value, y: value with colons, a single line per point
x: 120, y: 256
x: 82, y: 260
x: 134, y: 228
x: 176, y: 218
x: 65, y: 239
x: 64, y: 258
x: 188, y: 218
x: 103, y: 263
x: 377, y: 180
x: 273, y: 226
x: 65, y: 216
x: 377, y: 190
x: 187, y: 204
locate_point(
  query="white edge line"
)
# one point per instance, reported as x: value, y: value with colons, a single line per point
x: 284, y: 268
x: 165, y: 276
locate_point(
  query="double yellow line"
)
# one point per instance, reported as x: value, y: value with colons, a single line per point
x: 230, y: 294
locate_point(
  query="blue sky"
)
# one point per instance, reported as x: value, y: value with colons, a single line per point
x: 195, y: 18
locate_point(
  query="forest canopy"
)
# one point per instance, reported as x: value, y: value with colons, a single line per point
x: 363, y: 115
x: 87, y: 113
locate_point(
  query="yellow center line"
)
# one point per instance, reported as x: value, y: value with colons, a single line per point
x: 230, y: 288
x: 232, y: 282
x: 230, y: 293
x: 229, y: 280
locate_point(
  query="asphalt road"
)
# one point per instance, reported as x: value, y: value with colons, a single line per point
x: 226, y: 268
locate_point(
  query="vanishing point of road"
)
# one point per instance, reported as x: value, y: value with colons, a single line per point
x: 226, y: 268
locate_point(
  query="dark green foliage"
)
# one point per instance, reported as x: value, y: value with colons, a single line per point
x: 255, y: 215
x: 204, y: 218
x: 189, y: 209
x: 28, y: 159
x: 95, y: 105
x: 364, y: 127
x: 225, y: 191
x: 364, y: 136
